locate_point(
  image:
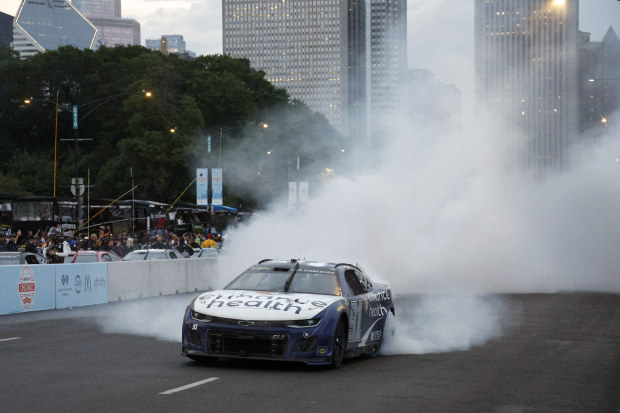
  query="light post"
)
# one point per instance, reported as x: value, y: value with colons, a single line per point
x: 28, y: 102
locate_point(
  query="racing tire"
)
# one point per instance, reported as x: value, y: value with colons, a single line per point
x: 339, y: 345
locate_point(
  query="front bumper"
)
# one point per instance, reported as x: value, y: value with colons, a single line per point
x: 305, y: 345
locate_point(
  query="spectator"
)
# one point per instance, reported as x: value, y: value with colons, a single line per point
x: 174, y: 241
x: 2, y: 243
x: 11, y: 245
x: 185, y: 247
x: 209, y: 242
x: 57, y: 249
x: 31, y: 245
x: 118, y: 247
x: 159, y: 243
x: 130, y: 246
x: 92, y: 242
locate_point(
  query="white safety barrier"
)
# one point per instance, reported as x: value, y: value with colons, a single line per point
x: 43, y: 287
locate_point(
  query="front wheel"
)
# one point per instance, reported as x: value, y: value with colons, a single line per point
x: 339, y: 345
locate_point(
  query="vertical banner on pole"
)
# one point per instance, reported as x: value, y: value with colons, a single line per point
x: 217, y: 187
x: 202, y: 186
x: 292, y: 196
x: 303, y: 192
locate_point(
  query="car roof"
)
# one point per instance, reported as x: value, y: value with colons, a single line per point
x: 308, y: 265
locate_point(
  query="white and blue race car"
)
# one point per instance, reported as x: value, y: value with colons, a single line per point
x: 304, y: 311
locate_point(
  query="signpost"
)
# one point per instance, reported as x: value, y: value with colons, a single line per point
x: 75, y: 117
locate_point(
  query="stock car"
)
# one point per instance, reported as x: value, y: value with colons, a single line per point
x: 304, y: 311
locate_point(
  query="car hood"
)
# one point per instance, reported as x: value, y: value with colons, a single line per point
x: 262, y: 305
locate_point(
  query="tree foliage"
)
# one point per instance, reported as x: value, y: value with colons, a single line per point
x: 161, y: 139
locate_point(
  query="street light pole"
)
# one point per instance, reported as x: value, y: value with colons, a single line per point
x: 55, y: 142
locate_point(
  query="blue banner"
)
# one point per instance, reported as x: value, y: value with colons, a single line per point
x: 202, y: 186
x: 217, y: 186
x: 26, y: 288
x: 81, y: 284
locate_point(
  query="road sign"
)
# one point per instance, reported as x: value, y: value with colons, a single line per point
x: 75, y: 117
x: 77, y: 186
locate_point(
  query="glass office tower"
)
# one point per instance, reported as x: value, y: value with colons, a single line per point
x: 48, y: 24
x: 106, y: 16
x: 320, y: 52
x: 527, y: 66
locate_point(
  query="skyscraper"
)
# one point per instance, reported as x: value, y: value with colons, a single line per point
x: 41, y: 25
x: 388, y: 58
x: 526, y: 67
x: 6, y: 29
x: 106, y: 16
x: 320, y: 51
x: 599, y: 82
x: 174, y: 43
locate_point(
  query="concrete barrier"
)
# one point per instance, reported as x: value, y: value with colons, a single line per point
x: 45, y: 287
x: 27, y: 288
x: 168, y: 277
x: 201, y: 274
x: 128, y: 280
x: 81, y: 284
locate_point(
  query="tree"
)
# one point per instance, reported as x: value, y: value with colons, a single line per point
x: 125, y: 129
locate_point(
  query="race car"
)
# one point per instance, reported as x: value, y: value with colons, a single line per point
x: 304, y: 311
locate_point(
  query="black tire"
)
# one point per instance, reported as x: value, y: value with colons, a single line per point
x: 339, y: 345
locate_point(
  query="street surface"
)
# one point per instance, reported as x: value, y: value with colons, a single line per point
x: 558, y: 353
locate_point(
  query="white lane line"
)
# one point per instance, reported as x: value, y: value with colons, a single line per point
x: 189, y: 386
x: 9, y: 339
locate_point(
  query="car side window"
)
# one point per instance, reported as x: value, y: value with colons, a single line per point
x: 31, y: 259
x: 353, y: 282
x: 365, y: 282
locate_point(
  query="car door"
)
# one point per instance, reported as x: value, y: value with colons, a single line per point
x: 356, y: 305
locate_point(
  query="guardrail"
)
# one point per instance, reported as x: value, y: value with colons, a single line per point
x: 44, y: 287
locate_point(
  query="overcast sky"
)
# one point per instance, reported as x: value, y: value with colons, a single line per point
x: 440, y: 32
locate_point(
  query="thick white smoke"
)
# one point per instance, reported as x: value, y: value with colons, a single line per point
x: 446, y: 212
x: 447, y: 221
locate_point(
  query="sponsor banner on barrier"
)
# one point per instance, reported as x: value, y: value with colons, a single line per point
x: 81, y: 284
x: 26, y: 288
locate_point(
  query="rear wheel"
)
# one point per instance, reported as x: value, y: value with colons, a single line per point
x: 340, y: 340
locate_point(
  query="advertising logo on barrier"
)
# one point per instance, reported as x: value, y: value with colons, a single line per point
x: 26, y: 287
x: 81, y: 284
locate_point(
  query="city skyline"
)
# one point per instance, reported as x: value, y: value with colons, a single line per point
x: 200, y: 23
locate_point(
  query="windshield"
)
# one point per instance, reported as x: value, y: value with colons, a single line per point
x: 80, y: 258
x: 275, y: 279
x: 135, y: 256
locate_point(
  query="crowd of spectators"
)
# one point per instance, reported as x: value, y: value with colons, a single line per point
x: 104, y: 240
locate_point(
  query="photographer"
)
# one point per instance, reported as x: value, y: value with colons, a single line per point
x: 57, y: 248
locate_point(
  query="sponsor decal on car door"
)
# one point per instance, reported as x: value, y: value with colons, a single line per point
x: 355, y: 324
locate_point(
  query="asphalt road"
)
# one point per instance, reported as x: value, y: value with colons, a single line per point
x: 557, y: 353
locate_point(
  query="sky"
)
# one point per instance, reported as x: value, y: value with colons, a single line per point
x: 440, y: 32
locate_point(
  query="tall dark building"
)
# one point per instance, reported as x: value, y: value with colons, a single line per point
x: 526, y: 67
x: 599, y: 82
x: 388, y: 59
x: 6, y: 29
